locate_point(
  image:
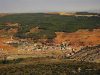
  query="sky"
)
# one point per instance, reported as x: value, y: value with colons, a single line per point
x: 20, y: 6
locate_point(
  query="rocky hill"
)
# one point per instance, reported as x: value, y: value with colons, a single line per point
x: 91, y: 54
x: 79, y: 31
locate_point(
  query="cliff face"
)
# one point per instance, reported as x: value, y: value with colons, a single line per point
x: 79, y: 38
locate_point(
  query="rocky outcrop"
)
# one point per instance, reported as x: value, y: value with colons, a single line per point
x: 89, y: 54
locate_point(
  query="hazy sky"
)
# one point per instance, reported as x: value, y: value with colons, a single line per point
x: 48, y: 5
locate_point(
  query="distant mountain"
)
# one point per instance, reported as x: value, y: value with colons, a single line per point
x: 94, y: 11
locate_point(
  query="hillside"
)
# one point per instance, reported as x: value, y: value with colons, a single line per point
x: 82, y: 37
x: 47, y: 23
x: 52, y: 28
x: 91, y: 54
x: 49, y: 44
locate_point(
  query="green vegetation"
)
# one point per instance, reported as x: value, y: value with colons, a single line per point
x: 11, y: 61
x: 49, y: 23
x: 86, y: 13
x: 45, y: 66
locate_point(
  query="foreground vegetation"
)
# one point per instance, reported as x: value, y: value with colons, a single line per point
x: 45, y: 66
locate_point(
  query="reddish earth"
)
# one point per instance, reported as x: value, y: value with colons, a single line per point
x: 5, y: 36
x: 79, y: 38
x: 4, y: 46
x: 75, y: 39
